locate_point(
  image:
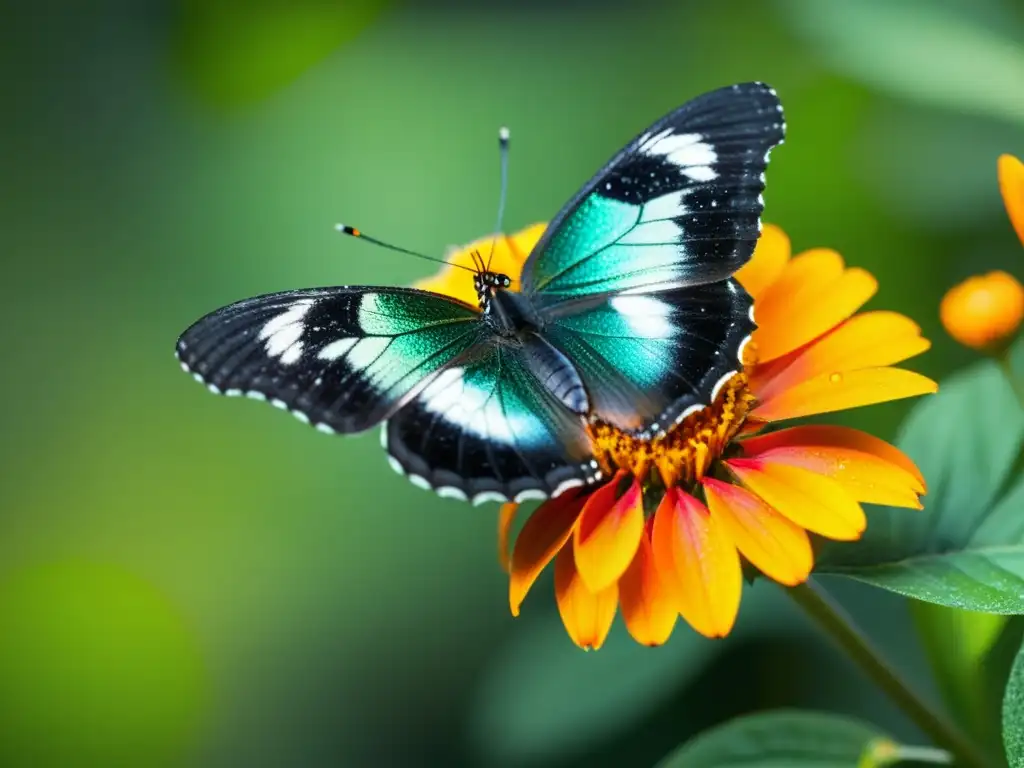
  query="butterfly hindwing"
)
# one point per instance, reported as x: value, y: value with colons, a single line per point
x: 680, y: 205
x: 342, y: 358
x: 487, y: 428
x: 647, y: 359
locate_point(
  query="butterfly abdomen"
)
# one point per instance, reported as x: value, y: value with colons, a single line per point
x: 557, y: 374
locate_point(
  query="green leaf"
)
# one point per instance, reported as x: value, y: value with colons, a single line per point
x: 786, y: 739
x: 915, y: 49
x: 966, y: 652
x: 1013, y: 714
x: 966, y: 550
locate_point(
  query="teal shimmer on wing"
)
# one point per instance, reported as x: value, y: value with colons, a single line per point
x: 608, y: 334
x: 596, y: 224
x: 406, y: 359
x: 390, y: 313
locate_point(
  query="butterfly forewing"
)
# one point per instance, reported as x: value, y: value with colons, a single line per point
x: 343, y: 359
x: 487, y: 428
x: 680, y: 205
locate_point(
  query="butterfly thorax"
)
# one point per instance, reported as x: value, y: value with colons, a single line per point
x: 508, y: 312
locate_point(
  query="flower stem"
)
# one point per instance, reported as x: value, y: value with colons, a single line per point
x: 817, y: 604
x: 1006, y: 364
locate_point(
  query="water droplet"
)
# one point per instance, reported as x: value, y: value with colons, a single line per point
x: 835, y: 378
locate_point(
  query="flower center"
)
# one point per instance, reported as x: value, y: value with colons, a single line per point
x: 682, y: 455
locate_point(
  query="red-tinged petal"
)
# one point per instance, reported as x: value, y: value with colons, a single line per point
x: 608, y: 532
x: 698, y: 563
x: 788, y: 322
x: 812, y: 501
x: 869, y: 340
x: 544, y: 534
x: 765, y: 266
x: 840, y: 391
x: 778, y: 547
x: 868, y: 468
x: 1011, y: 184
x: 506, y: 516
x: 647, y: 605
x: 587, y: 616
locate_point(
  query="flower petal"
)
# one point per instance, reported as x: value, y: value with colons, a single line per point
x: 608, y: 532
x: 506, y: 516
x: 839, y: 391
x: 812, y: 296
x: 868, y: 468
x: 774, y: 544
x: 1011, y: 184
x: 587, y: 616
x: 647, y: 605
x: 765, y: 266
x: 510, y: 252
x: 544, y: 534
x: 812, y: 501
x: 869, y: 340
x: 698, y: 563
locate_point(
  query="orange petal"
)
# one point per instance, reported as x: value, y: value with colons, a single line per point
x: 647, y: 605
x: 546, y: 532
x: 608, y: 532
x: 506, y: 516
x: 839, y: 391
x: 812, y: 501
x: 812, y: 296
x: 510, y: 252
x: 870, y: 340
x: 774, y: 544
x: 765, y: 266
x: 587, y: 616
x: 1011, y: 184
x: 698, y: 563
x: 869, y: 469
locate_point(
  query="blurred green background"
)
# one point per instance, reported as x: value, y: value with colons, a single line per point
x: 192, y: 581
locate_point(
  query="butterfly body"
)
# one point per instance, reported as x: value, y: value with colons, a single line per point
x: 626, y: 313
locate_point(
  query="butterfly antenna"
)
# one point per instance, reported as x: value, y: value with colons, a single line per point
x: 345, y: 229
x: 503, y: 138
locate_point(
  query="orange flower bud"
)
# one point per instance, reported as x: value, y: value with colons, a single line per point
x: 983, y: 310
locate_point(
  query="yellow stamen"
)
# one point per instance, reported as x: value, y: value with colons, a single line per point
x: 682, y: 455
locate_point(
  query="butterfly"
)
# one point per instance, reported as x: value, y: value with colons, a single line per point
x: 627, y: 313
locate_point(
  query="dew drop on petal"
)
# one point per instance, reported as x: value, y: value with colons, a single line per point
x: 835, y: 378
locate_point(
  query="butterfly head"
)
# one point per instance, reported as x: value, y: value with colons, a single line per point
x: 487, y: 282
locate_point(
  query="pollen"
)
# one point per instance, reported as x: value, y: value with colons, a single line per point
x: 685, y: 453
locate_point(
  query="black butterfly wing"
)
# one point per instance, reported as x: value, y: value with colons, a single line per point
x: 679, y: 205
x: 490, y: 426
x: 342, y: 359
x: 648, y: 360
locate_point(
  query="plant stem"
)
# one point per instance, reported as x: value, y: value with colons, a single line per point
x: 1011, y: 376
x: 817, y: 604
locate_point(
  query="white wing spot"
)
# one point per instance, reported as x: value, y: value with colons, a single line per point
x: 721, y: 383
x: 282, y: 333
x: 420, y: 482
x: 327, y: 429
x: 565, y: 485
x: 531, y: 494
x: 646, y: 316
x: 336, y: 349
x: 486, y: 496
x: 451, y: 492
x: 395, y: 465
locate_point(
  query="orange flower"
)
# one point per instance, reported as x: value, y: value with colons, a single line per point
x: 1011, y: 184
x: 983, y: 311
x: 665, y: 534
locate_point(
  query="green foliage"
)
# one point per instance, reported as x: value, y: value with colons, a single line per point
x: 916, y: 49
x: 785, y: 739
x: 233, y: 53
x: 1013, y: 714
x: 970, y: 655
x: 966, y: 550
